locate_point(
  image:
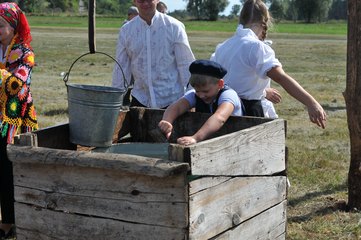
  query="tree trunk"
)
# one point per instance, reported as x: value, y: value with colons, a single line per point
x: 352, y: 97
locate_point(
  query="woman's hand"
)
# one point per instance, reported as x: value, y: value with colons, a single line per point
x: 273, y: 95
x: 317, y: 115
x: 315, y: 111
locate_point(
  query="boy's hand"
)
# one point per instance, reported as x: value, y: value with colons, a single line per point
x: 166, y: 128
x: 186, y: 140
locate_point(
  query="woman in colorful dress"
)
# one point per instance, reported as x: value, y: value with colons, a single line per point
x: 17, y: 113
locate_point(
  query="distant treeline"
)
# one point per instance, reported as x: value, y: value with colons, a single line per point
x: 295, y: 10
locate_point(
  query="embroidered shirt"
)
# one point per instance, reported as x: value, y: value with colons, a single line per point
x: 16, y: 103
x: 158, y: 56
x: 247, y: 60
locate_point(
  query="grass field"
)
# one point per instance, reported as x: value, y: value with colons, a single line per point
x: 334, y: 28
x: 315, y: 55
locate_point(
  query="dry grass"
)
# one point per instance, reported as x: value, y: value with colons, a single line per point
x: 318, y: 159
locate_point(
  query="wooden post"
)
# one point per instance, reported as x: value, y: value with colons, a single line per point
x: 352, y: 97
x: 91, y: 26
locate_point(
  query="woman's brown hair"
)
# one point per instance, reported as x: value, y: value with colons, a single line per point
x: 254, y: 11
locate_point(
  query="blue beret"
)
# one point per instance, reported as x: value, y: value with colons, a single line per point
x: 208, y: 68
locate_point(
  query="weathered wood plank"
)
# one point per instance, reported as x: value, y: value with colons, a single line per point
x: 190, y: 122
x: 42, y: 224
x: 26, y: 139
x: 205, y: 183
x: 99, y: 183
x: 270, y: 224
x: 124, y: 162
x: 258, y: 150
x: 172, y: 213
x: 226, y: 204
x: 122, y: 127
x: 56, y: 137
x: 104, y: 193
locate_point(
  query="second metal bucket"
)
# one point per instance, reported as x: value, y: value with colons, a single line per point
x: 93, y: 113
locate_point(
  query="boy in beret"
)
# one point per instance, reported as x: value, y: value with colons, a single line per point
x: 209, y: 95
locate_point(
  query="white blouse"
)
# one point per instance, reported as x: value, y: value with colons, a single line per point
x: 157, y: 56
x: 247, y: 60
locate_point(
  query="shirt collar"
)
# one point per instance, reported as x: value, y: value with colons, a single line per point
x: 154, y: 18
x: 242, y: 32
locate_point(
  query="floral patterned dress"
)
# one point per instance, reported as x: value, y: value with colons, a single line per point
x: 17, y: 112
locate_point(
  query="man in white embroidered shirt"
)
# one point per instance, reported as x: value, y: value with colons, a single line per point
x: 154, y: 48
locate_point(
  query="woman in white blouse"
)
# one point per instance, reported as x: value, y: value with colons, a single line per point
x: 154, y: 49
x: 251, y: 64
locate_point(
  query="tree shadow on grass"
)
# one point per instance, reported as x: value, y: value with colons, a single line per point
x: 55, y: 112
x: 328, y: 206
x: 333, y: 108
x: 325, y: 210
x: 308, y: 196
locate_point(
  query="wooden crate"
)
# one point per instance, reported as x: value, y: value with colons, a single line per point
x: 231, y: 186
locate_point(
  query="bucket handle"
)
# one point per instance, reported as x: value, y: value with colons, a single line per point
x: 66, y: 76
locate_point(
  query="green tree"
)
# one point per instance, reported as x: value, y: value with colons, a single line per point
x: 277, y: 10
x: 113, y: 7
x: 291, y: 10
x: 213, y: 7
x: 206, y: 9
x: 313, y: 10
x: 307, y: 9
x: 194, y: 7
x: 236, y: 8
x: 32, y: 6
x: 338, y: 10
x: 323, y: 8
x: 107, y: 7
x: 265, y: 1
x: 179, y: 14
x: 124, y: 5
x: 64, y: 5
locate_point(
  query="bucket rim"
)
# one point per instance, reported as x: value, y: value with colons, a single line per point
x: 89, y: 87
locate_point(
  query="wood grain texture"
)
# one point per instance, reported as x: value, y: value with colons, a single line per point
x: 55, y: 137
x: 43, y: 224
x: 258, y: 150
x: 270, y: 224
x: 123, y: 162
x: 228, y: 202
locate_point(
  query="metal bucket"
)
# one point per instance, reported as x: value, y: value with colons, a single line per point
x: 93, y: 112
